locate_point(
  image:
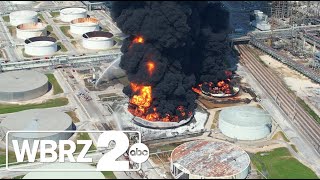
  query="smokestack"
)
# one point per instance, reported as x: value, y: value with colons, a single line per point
x: 172, y: 47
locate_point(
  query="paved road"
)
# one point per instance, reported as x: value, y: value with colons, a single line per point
x: 64, y: 40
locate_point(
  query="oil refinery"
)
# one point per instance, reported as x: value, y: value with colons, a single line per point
x: 190, y: 90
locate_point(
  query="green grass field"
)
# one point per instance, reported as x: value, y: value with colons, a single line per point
x: 84, y: 136
x: 109, y: 175
x: 62, y: 47
x: 6, y: 18
x: 10, y: 108
x: 56, y: 86
x: 55, y: 14
x: 309, y: 110
x: 65, y: 30
x: 279, y: 164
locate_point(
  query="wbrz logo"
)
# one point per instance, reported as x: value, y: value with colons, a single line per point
x: 138, y: 152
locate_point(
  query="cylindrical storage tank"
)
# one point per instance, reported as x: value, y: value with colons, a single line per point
x: 41, y: 46
x: 84, y: 25
x: 245, y: 123
x: 22, y: 85
x: 69, y: 14
x: 38, y: 120
x: 97, y: 40
x: 209, y: 160
x: 28, y: 30
x: 22, y: 17
x: 66, y: 175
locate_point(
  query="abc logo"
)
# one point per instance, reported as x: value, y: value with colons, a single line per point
x: 139, y: 153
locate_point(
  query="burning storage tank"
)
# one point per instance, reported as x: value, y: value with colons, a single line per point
x: 41, y: 46
x: 69, y: 14
x: 28, y: 30
x: 38, y: 120
x: 66, y: 175
x: 97, y: 40
x: 209, y: 160
x: 22, y: 85
x: 245, y: 123
x: 22, y: 17
x: 168, y: 51
x: 84, y: 25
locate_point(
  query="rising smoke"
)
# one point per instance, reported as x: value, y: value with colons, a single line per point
x: 186, y: 41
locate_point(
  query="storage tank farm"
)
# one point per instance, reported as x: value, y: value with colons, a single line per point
x: 97, y: 40
x: 22, y: 85
x: 83, y: 25
x: 41, y: 46
x: 69, y: 14
x: 37, y: 120
x: 245, y: 123
x: 209, y: 160
x: 22, y: 17
x: 29, y: 30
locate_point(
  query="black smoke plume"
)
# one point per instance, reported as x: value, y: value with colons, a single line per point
x: 187, y: 41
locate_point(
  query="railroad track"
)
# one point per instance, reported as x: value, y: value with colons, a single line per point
x: 287, y: 102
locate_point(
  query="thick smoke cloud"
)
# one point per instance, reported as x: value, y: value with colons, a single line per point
x: 186, y: 41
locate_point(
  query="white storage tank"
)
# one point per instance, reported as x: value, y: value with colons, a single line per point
x: 83, y: 25
x: 22, y: 17
x: 22, y: 85
x: 209, y: 160
x: 28, y: 30
x: 69, y: 14
x: 41, y: 46
x: 97, y: 40
x: 38, y: 120
x: 245, y: 123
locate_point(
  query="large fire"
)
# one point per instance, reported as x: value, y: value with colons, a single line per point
x: 222, y: 87
x: 140, y: 103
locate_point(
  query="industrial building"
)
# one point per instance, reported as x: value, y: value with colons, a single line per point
x: 97, y: 40
x: 22, y: 85
x: 28, y: 30
x: 66, y: 175
x: 245, y: 122
x: 69, y: 14
x: 209, y: 160
x: 41, y: 46
x: 281, y: 9
x: 83, y: 25
x: 38, y: 120
x: 22, y: 17
x: 261, y: 21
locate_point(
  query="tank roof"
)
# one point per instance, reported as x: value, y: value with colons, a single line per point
x: 37, y: 120
x: 245, y: 116
x: 97, y: 34
x: 210, y: 158
x: 21, y: 81
x: 40, y: 38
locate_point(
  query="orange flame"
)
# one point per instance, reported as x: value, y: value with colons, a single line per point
x: 142, y: 105
x: 150, y: 66
x: 138, y: 39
